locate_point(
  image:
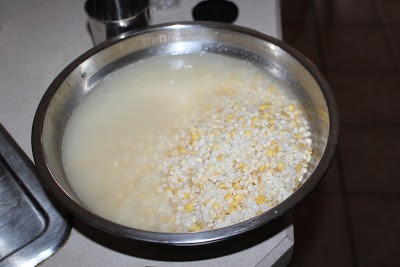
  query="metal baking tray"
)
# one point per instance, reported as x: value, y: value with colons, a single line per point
x: 31, y: 228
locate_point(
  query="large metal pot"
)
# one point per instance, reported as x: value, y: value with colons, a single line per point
x: 76, y: 80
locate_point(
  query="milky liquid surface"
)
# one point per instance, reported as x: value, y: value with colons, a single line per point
x: 106, y: 158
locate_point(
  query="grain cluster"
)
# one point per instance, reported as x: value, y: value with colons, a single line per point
x: 228, y: 161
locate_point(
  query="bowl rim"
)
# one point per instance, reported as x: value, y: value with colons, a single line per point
x: 184, y: 239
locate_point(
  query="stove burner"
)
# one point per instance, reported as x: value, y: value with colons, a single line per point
x: 216, y: 10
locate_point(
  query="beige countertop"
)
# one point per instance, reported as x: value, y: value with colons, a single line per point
x: 37, y: 40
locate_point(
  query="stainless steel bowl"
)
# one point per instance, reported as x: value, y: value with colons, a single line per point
x: 76, y: 80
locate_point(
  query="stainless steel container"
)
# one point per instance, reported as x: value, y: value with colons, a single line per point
x: 78, y: 79
x: 109, y: 18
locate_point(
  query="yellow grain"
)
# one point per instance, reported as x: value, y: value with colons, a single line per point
x: 261, y: 199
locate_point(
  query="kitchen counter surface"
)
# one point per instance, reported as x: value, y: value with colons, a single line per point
x: 37, y: 40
